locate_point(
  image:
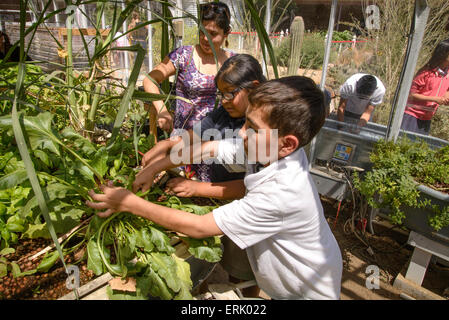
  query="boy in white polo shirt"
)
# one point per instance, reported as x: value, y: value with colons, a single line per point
x: 279, y: 220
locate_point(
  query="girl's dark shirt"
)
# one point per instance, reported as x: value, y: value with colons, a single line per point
x: 221, y: 120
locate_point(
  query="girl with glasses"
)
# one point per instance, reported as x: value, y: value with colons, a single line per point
x: 235, y: 79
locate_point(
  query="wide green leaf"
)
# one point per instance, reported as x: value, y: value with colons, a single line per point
x: 208, y: 249
x: 157, y: 286
x: 13, y: 179
x: 94, y: 261
x: 166, y: 268
x: 35, y: 231
x: 48, y: 261
x: 183, y: 272
x: 143, y: 240
x: 3, y: 270
x: 121, y: 295
x: 100, y: 161
x: 161, y: 240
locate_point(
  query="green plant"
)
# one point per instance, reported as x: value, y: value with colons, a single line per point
x: 127, y: 245
x: 297, y: 37
x: 398, y: 168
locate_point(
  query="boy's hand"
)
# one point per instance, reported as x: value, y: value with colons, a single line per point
x: 144, y: 180
x: 112, y: 199
x: 183, y: 187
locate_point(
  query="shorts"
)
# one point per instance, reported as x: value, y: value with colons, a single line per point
x: 413, y: 124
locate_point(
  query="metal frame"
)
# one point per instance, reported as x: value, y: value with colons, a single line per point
x: 417, y: 29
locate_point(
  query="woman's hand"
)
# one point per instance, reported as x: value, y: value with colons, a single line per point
x: 165, y: 121
x: 112, y: 200
x: 183, y: 187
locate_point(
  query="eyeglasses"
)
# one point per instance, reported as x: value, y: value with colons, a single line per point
x: 227, y: 95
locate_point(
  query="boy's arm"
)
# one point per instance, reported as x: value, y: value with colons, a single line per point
x: 341, y: 110
x: 119, y: 199
x: 364, y: 118
x: 227, y: 190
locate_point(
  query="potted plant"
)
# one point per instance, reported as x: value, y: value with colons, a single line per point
x: 410, y: 182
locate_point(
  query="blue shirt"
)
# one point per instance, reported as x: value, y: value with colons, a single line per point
x: 220, y: 120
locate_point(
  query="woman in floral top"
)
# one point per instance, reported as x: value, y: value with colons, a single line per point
x: 195, y: 68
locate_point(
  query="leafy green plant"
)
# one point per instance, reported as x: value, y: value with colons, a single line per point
x: 398, y: 169
x: 127, y: 245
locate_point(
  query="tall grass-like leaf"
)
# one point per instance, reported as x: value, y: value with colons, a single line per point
x: 21, y: 143
x: 264, y: 39
x: 127, y: 96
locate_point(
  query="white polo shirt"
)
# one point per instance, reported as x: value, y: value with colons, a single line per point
x: 356, y: 104
x: 280, y: 223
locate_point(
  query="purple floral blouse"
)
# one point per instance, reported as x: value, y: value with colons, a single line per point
x: 200, y: 89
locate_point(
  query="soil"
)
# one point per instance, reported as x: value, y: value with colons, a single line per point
x: 389, y: 244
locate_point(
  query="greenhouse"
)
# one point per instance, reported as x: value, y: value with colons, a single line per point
x: 241, y: 150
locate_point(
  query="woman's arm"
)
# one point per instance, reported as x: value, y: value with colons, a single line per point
x: 160, y: 73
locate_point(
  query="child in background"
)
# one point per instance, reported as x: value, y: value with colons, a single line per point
x: 280, y: 220
x: 429, y: 90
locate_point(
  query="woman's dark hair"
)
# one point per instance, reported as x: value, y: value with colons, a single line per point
x: 293, y: 105
x: 218, y: 12
x: 440, y: 54
x: 240, y: 71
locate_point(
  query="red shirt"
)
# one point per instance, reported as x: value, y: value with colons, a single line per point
x: 430, y: 83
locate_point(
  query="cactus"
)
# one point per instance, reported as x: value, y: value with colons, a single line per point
x: 297, y: 37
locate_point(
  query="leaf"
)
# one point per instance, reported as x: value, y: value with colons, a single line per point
x: 161, y: 240
x: 7, y: 251
x: 156, y: 285
x: 99, y: 162
x: 63, y: 221
x: 13, y: 179
x: 183, y: 272
x: 43, y: 156
x: 208, y: 249
x: 15, y: 269
x: 40, y: 133
x: 3, y: 270
x: 143, y: 240
x: 199, y: 210
x: 81, y: 144
x: 94, y: 261
x: 166, y: 268
x: 114, y: 295
x: 49, y: 261
x: 35, y: 231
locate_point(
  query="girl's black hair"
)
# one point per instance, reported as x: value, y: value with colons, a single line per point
x: 440, y: 54
x: 218, y: 12
x: 240, y: 71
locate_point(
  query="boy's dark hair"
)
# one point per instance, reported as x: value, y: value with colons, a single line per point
x: 366, y: 85
x: 240, y: 71
x: 218, y: 12
x: 293, y: 105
